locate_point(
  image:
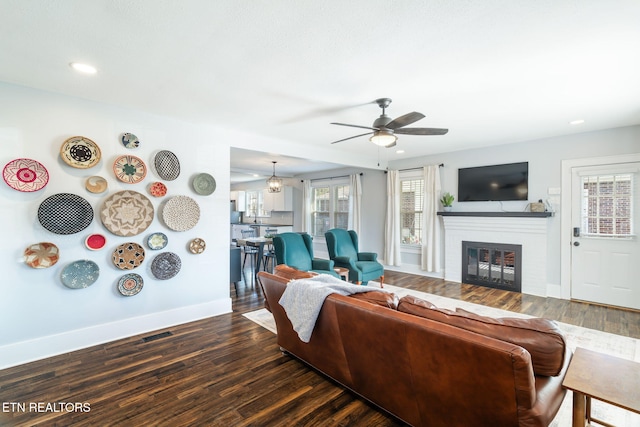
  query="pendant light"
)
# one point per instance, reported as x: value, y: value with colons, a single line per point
x: 274, y: 183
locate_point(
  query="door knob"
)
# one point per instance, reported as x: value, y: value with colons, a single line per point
x: 576, y: 243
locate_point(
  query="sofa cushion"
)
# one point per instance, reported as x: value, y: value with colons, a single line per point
x: 384, y: 299
x: 540, y: 337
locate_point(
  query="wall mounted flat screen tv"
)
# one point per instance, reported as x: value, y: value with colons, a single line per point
x: 494, y: 183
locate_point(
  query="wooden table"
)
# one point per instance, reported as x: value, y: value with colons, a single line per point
x: 602, y: 377
x: 342, y: 272
x: 258, y: 242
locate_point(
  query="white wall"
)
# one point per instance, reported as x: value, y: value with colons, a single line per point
x: 39, y: 315
x: 544, y: 157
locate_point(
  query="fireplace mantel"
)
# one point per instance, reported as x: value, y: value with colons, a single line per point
x: 528, y: 229
x: 500, y: 214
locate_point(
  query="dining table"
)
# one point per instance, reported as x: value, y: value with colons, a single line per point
x: 258, y: 242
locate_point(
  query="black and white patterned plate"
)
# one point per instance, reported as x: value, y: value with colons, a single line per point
x: 167, y: 165
x: 65, y: 213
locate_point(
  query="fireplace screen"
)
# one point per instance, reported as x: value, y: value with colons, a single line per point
x: 494, y: 265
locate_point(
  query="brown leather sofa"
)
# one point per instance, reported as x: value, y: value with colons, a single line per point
x: 425, y: 372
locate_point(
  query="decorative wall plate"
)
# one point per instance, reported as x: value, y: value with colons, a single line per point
x: 129, y: 140
x: 129, y: 169
x: 80, y: 274
x: 126, y: 213
x: 181, y: 213
x: 130, y: 284
x: 128, y: 256
x: 65, y: 213
x: 167, y: 165
x: 197, y: 246
x: 41, y: 255
x: 25, y: 175
x: 96, y: 184
x: 158, y: 189
x: 80, y: 152
x: 166, y: 265
x: 95, y: 242
x: 157, y: 241
x: 204, y: 184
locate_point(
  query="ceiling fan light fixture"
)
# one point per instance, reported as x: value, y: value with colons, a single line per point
x: 384, y: 138
x: 274, y: 183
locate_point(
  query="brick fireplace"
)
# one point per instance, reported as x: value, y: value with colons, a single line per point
x: 494, y: 265
x: 527, y: 230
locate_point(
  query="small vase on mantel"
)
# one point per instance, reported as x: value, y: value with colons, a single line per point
x: 447, y: 208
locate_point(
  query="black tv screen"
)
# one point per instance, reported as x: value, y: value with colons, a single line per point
x: 492, y: 183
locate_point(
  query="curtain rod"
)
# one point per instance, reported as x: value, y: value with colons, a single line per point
x: 441, y: 165
x: 332, y: 177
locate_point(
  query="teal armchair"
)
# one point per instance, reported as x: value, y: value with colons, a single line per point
x: 296, y: 250
x: 343, y: 250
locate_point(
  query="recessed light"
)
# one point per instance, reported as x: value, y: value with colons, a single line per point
x: 576, y: 122
x: 399, y: 151
x: 83, y: 68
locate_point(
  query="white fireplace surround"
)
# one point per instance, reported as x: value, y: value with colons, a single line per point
x: 530, y: 232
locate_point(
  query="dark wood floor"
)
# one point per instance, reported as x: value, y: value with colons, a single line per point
x: 228, y: 371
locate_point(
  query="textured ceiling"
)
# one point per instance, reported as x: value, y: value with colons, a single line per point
x: 492, y: 71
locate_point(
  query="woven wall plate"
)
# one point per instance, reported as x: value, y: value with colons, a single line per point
x: 128, y: 256
x: 181, y: 213
x: 130, y: 284
x: 80, y: 152
x: 158, y: 189
x: 167, y: 165
x: 126, y: 213
x: 80, y: 274
x: 129, y: 169
x: 95, y: 242
x: 197, y: 246
x: 65, y: 213
x: 96, y: 184
x: 166, y: 265
x: 129, y: 140
x: 157, y: 241
x: 41, y: 255
x: 25, y: 175
x: 204, y: 184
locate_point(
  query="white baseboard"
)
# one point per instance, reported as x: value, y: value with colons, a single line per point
x: 554, y: 291
x: 53, y: 345
x: 413, y: 269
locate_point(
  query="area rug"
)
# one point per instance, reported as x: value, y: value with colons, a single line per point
x: 603, y: 342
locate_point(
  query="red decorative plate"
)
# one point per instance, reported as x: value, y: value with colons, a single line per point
x: 158, y: 189
x: 95, y: 242
x: 25, y: 175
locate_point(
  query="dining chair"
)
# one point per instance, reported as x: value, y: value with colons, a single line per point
x: 249, y: 250
x: 269, y: 254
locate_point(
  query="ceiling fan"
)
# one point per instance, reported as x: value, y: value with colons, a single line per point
x: 384, y: 128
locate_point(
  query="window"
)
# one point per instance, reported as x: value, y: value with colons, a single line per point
x: 411, y: 205
x: 255, y: 204
x: 607, y: 205
x: 329, y: 207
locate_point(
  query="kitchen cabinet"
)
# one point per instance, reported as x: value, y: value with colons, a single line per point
x: 282, y: 201
x: 241, y: 200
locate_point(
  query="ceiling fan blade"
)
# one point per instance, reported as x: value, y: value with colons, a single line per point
x: 351, y: 137
x: 354, y: 126
x: 421, y: 131
x: 407, y: 119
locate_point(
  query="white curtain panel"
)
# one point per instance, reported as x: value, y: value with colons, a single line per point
x: 355, y: 203
x: 431, y: 225
x: 392, y: 254
x: 306, y: 205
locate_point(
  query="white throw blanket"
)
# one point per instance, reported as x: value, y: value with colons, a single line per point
x: 303, y: 298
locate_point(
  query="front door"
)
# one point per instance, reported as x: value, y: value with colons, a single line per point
x: 605, y: 258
